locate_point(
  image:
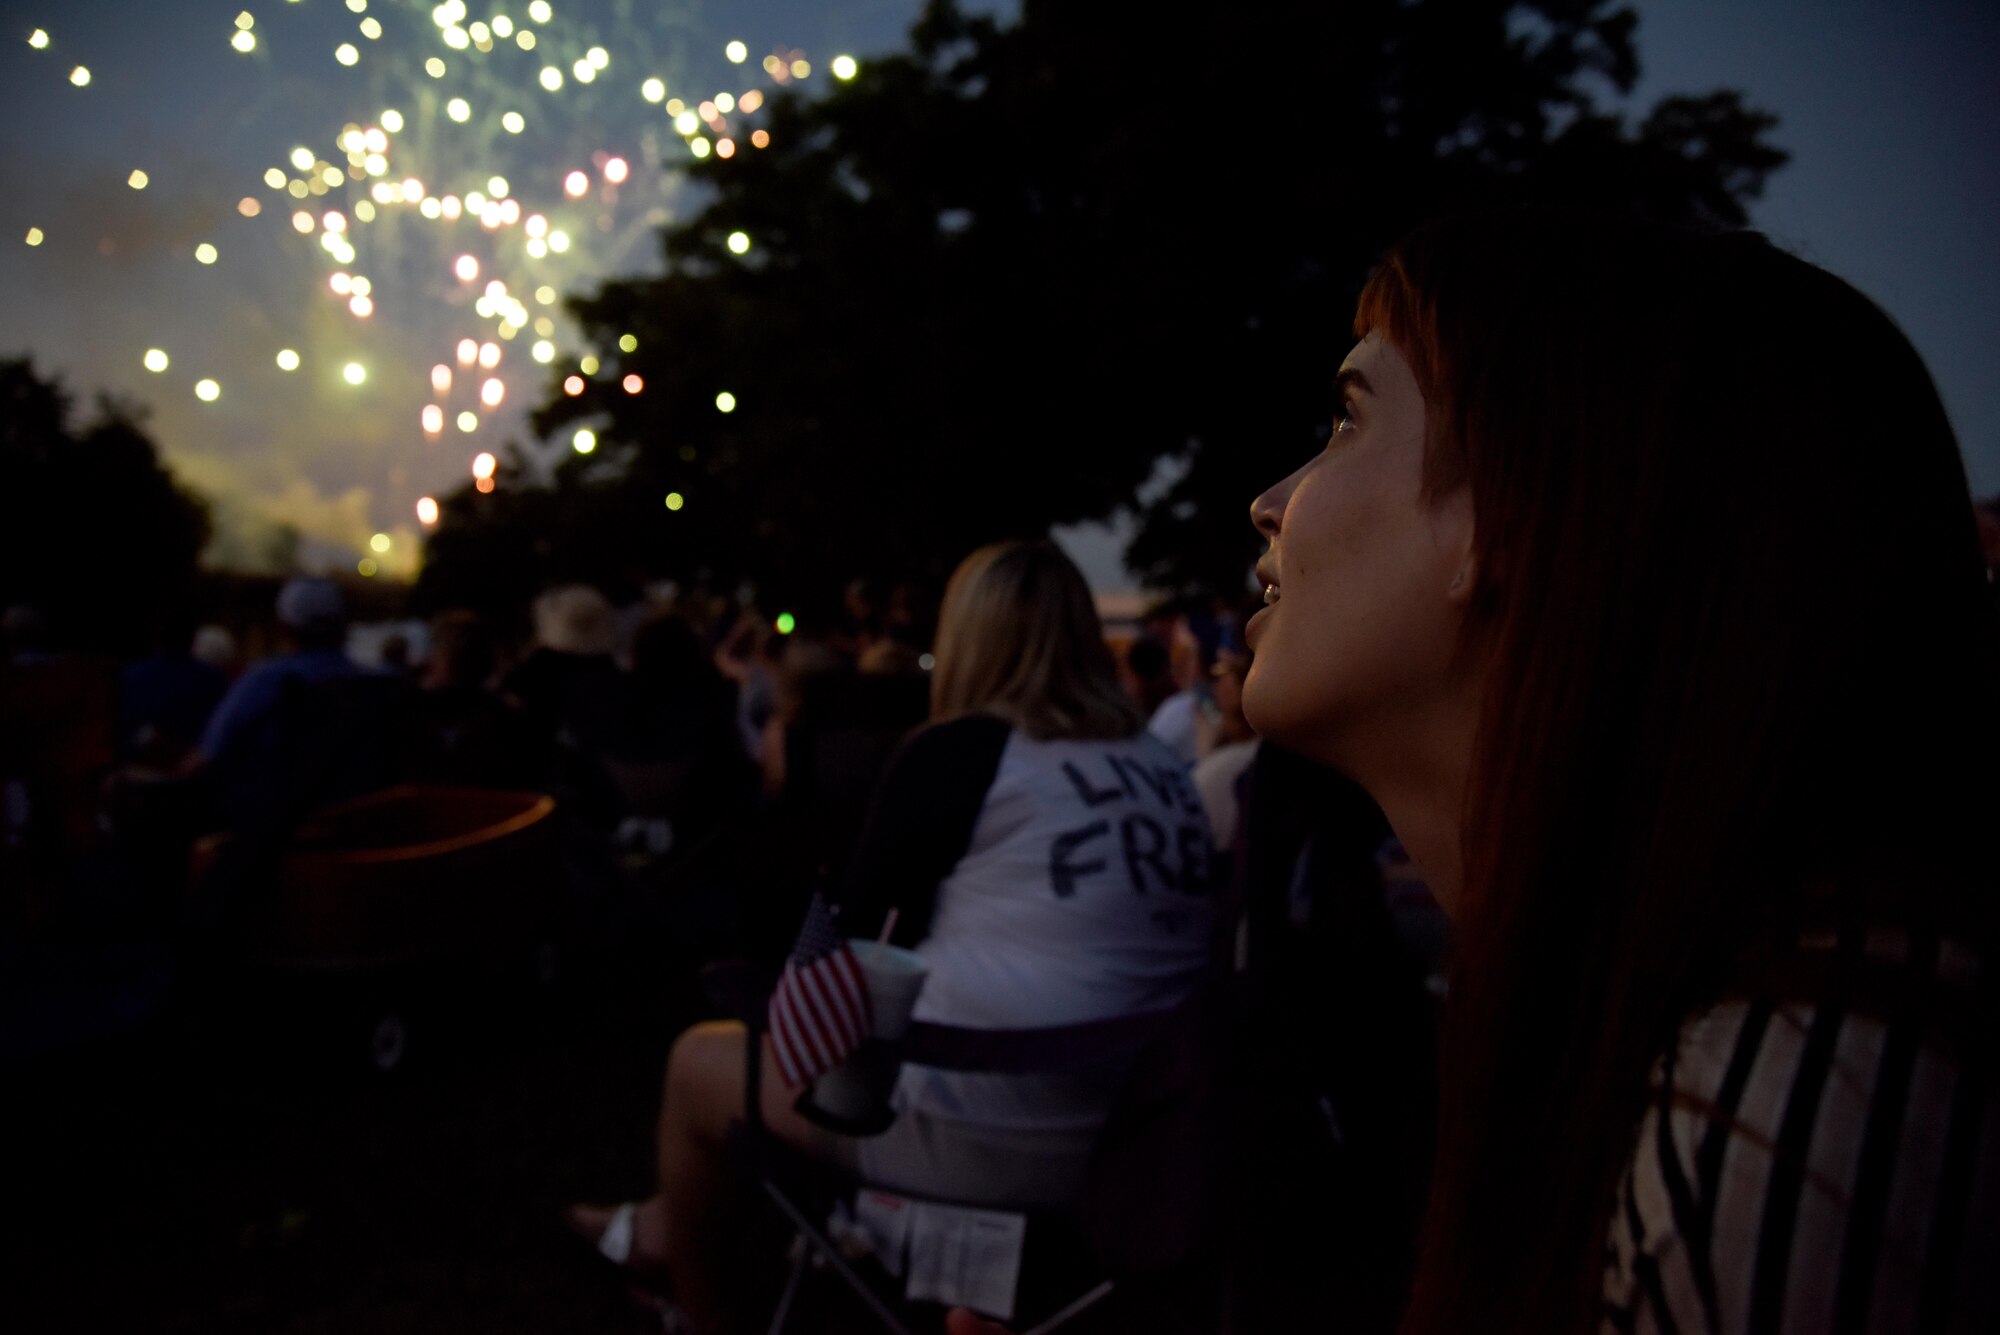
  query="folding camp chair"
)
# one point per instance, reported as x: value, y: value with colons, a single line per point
x: 1138, y: 1216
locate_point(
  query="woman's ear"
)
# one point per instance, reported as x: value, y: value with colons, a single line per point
x: 1464, y: 582
x: 1454, y: 532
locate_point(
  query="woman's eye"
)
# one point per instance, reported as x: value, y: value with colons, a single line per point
x: 1343, y: 420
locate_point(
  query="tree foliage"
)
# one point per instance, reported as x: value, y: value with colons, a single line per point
x: 999, y: 276
x: 94, y: 532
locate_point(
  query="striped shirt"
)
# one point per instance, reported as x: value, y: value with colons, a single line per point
x: 1827, y: 1165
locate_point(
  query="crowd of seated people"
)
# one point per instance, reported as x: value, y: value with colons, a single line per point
x: 858, y: 765
x: 653, y: 725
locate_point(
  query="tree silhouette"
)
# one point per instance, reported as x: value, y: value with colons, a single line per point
x: 94, y: 532
x: 997, y: 277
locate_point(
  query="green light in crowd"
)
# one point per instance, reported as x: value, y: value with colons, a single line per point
x: 786, y: 625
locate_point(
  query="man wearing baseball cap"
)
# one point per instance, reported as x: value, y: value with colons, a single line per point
x: 237, y: 745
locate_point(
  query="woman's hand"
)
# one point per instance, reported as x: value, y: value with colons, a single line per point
x: 958, y: 1321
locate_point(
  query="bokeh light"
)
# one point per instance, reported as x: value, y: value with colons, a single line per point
x: 207, y: 391
x: 482, y: 465
x: 155, y: 359
x: 785, y: 623
x: 675, y: 500
x: 844, y: 67
x: 288, y: 359
x: 725, y: 402
x: 427, y: 510
x: 584, y: 441
x: 354, y: 373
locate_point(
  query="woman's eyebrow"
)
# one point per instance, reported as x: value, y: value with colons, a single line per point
x: 1350, y: 380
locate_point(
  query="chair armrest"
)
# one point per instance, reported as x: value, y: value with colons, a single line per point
x: 1070, y: 1047
x: 742, y: 991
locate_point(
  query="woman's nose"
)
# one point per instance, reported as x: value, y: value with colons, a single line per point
x: 1269, y: 509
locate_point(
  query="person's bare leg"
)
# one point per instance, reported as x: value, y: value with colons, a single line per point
x: 703, y: 1096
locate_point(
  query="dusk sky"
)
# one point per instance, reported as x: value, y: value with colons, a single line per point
x: 1891, y: 114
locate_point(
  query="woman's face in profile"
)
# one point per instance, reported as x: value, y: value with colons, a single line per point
x: 1367, y: 578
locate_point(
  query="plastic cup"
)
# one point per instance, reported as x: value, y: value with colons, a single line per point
x: 858, y: 1089
x: 895, y: 976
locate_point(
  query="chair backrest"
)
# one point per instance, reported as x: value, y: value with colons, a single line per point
x: 1152, y: 1176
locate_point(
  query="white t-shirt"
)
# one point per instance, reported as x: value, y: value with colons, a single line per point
x: 1174, y: 723
x: 1085, y: 894
x: 1215, y: 779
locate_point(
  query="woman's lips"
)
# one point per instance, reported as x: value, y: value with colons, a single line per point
x: 1255, y: 623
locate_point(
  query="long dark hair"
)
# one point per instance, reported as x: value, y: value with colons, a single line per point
x: 1743, y: 681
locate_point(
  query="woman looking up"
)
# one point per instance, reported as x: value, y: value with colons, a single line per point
x: 1639, y: 584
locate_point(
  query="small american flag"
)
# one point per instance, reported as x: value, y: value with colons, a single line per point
x: 820, y: 1011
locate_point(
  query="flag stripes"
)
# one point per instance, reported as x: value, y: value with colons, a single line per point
x: 820, y: 1011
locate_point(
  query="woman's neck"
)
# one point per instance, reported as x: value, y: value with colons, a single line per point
x: 1418, y: 773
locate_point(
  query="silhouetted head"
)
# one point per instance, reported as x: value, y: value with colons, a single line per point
x: 313, y: 613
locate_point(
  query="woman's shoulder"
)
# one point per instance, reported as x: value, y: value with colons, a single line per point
x: 951, y: 748
x: 1819, y: 1150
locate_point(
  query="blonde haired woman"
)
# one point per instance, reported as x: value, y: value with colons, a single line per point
x: 1046, y: 856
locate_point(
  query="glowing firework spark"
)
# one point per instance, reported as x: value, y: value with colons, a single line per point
x: 494, y: 179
